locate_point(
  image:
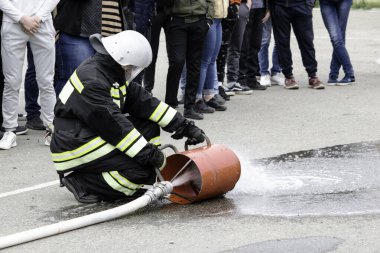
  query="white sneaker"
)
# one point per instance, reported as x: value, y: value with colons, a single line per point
x: 278, y: 79
x: 265, y: 81
x: 8, y: 141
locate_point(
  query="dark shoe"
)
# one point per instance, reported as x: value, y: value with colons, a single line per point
x: 1, y: 134
x: 214, y: 104
x: 192, y: 114
x: 291, y: 84
x: 201, y: 107
x: 315, y: 83
x: 35, y: 123
x: 73, y: 185
x: 346, y: 80
x: 255, y: 85
x: 222, y: 93
x: 219, y: 99
x: 20, y: 130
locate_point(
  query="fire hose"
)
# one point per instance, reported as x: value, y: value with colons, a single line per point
x: 159, y: 190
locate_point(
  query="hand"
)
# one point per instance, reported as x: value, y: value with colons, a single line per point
x: 266, y: 17
x: 158, y: 158
x: 209, y: 22
x: 188, y: 129
x: 29, y: 24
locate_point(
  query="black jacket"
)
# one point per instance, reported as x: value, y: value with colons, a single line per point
x: 90, y: 125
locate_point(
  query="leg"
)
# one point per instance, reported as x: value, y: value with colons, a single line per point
x: 43, y: 49
x: 263, y: 53
x: 195, y: 43
x: 13, y: 45
x: 32, y: 107
x: 149, y: 74
x: 176, y: 39
x: 281, y: 31
x: 302, y: 22
x: 227, y: 29
x: 233, y: 54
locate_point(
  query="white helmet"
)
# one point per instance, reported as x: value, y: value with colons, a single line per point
x: 128, y: 48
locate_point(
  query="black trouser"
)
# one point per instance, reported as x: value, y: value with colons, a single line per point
x: 159, y: 21
x: 184, y: 43
x: 95, y: 182
x: 300, y: 17
x: 227, y: 29
x: 249, y: 61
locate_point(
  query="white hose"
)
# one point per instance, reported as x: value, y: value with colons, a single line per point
x: 160, y: 190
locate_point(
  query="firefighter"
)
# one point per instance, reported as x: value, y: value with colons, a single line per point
x: 106, y: 136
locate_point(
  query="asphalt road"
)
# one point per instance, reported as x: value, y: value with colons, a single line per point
x: 266, y: 124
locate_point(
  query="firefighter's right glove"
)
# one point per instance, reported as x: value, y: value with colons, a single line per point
x: 194, y: 134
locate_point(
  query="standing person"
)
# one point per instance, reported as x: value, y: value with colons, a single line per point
x: 1, y: 83
x: 159, y: 21
x: 234, y: 51
x: 100, y: 153
x: 296, y: 14
x: 249, y: 61
x: 187, y: 29
x: 228, y: 25
x: 26, y: 21
x: 335, y: 16
x: 273, y: 76
x: 206, y: 101
x: 76, y: 21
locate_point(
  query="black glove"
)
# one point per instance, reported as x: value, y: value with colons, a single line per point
x: 209, y: 22
x: 191, y: 131
x: 233, y: 11
x: 158, y: 158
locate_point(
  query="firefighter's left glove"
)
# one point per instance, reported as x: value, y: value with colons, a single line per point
x: 194, y: 134
x: 158, y: 158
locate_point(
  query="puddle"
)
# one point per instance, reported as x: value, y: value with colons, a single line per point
x: 341, y: 179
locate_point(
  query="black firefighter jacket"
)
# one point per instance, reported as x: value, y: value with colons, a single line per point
x: 91, y: 131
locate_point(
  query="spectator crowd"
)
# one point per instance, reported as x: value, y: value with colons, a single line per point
x: 215, y: 48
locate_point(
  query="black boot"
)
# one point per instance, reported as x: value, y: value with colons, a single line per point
x: 80, y: 194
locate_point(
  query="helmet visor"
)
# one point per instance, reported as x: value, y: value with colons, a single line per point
x: 131, y: 72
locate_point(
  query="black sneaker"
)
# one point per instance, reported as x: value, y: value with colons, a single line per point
x: 222, y: 93
x: 20, y: 130
x: 80, y: 194
x: 35, y: 123
x: 214, y: 104
x: 255, y: 85
x: 219, y: 99
x: 192, y: 114
x: 201, y: 107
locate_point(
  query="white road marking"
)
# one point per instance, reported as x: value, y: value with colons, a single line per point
x: 32, y: 188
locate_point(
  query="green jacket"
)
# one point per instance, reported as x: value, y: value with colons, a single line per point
x: 192, y: 10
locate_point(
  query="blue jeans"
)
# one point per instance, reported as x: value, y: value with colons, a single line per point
x: 335, y: 16
x: 263, y: 53
x: 208, y: 76
x: 71, y: 51
x: 32, y: 107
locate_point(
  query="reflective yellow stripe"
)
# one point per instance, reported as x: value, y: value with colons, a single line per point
x: 135, y: 148
x: 76, y: 82
x: 115, y: 185
x: 128, y: 140
x: 155, y: 141
x: 115, y: 93
x: 82, y: 150
x: 108, y: 148
x: 66, y: 92
x: 117, y: 102
x: 124, y: 181
x: 168, y: 117
x: 156, y: 115
x: 123, y: 90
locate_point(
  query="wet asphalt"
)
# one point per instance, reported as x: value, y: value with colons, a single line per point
x: 310, y: 163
